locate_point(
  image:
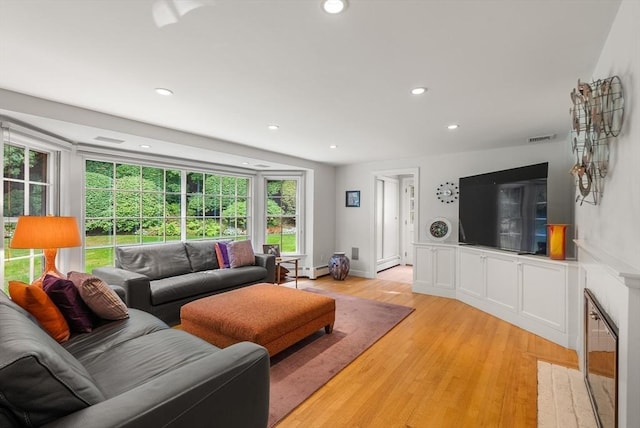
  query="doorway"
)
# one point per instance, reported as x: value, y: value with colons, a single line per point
x: 396, y: 212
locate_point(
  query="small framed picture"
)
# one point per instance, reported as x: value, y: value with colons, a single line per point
x: 271, y: 249
x: 352, y: 198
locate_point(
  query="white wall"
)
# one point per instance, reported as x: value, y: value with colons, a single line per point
x: 613, y: 225
x: 611, y: 230
x: 354, y: 225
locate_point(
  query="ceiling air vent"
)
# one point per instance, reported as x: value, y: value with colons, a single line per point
x: 259, y: 165
x: 541, y: 138
x: 109, y: 140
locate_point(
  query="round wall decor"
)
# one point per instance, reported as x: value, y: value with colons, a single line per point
x: 447, y: 193
x: 439, y: 229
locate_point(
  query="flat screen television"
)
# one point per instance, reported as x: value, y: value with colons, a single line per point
x: 505, y: 209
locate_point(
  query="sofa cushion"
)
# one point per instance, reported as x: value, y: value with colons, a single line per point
x: 110, y: 334
x: 155, y: 261
x: 34, y: 300
x: 67, y: 298
x: 178, y: 287
x: 202, y: 255
x: 40, y: 380
x: 148, y: 356
x: 228, y: 278
x: 240, y: 254
x: 97, y: 294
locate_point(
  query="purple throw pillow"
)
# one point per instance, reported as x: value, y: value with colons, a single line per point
x: 222, y: 254
x: 66, y: 297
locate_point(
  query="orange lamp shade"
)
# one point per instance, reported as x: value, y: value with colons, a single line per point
x: 47, y: 233
x: 556, y: 238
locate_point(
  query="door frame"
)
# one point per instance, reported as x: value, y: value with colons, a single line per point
x: 415, y: 172
x: 406, y: 239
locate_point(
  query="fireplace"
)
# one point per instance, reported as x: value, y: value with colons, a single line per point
x: 601, y: 362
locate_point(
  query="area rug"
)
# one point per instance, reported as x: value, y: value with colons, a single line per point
x: 563, y: 401
x: 299, y: 371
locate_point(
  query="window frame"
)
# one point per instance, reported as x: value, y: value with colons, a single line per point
x: 51, y: 199
x: 300, y: 204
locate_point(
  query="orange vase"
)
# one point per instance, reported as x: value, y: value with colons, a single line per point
x: 556, y: 241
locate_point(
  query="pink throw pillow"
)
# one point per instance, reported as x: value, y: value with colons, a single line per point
x: 240, y: 254
x: 100, y: 298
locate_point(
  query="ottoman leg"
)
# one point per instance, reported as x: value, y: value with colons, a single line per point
x: 328, y: 328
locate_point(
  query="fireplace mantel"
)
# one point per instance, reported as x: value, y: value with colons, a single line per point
x: 629, y: 275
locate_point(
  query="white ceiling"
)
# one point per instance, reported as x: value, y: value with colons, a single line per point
x: 502, y: 69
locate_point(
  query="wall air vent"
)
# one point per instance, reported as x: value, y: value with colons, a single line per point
x: 541, y: 138
x: 109, y: 140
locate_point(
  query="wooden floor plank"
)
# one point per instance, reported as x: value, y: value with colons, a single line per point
x: 446, y: 365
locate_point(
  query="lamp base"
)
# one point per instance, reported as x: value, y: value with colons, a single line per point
x: 49, y: 266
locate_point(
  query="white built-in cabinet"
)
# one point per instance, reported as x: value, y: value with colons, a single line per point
x: 532, y: 292
x: 436, y: 270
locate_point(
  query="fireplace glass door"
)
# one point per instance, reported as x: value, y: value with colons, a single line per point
x: 601, y: 362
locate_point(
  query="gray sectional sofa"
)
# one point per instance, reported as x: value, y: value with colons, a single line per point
x: 161, y: 278
x: 131, y: 373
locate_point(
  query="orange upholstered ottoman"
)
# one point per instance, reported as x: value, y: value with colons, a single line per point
x: 272, y: 316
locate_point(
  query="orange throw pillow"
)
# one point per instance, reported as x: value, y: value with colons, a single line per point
x: 35, y: 301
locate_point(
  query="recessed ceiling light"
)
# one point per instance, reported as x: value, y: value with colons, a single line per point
x: 245, y: 163
x: 164, y: 91
x: 333, y: 146
x: 418, y: 91
x: 453, y: 126
x: 273, y: 127
x: 334, y: 6
x: 145, y: 146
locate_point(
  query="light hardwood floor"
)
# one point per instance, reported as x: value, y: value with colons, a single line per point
x: 446, y: 365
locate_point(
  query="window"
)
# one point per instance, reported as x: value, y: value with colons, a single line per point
x: 127, y: 204
x: 282, y: 213
x: 217, y: 206
x: 26, y: 191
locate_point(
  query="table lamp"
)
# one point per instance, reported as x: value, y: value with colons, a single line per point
x: 47, y: 233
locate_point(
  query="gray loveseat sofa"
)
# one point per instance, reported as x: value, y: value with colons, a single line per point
x: 132, y: 373
x: 161, y: 278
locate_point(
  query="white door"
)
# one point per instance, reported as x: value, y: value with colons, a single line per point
x: 387, y: 223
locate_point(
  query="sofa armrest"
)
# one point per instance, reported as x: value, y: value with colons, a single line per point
x: 137, y: 287
x: 267, y: 261
x: 120, y: 291
x: 229, y: 388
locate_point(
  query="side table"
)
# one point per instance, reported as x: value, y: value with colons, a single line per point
x: 287, y: 260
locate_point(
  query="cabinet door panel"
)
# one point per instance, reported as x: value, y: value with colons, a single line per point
x: 471, y: 272
x: 502, y: 281
x: 424, y: 266
x: 444, y: 263
x: 544, y: 294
